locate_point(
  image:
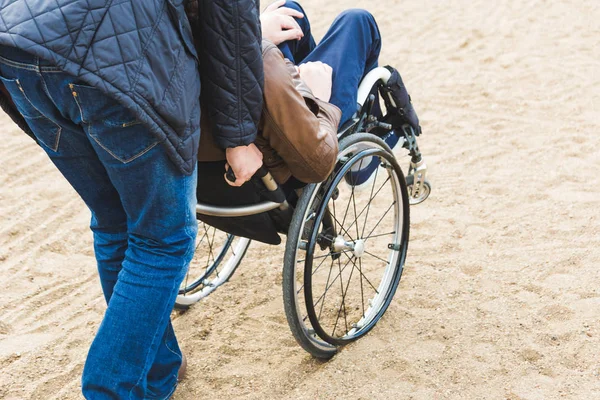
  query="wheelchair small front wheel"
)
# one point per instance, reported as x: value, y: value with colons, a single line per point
x: 346, y: 256
x: 425, y: 192
x: 216, y: 258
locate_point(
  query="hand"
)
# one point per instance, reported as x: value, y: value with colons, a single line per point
x: 278, y: 23
x: 245, y: 161
x: 318, y: 77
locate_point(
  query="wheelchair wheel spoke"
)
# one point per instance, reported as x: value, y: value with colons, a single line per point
x: 331, y: 284
x: 355, y: 217
x: 379, y: 235
x: 331, y: 253
x: 320, y: 264
x: 327, y: 283
x: 206, y: 236
x: 382, y: 217
x: 336, y: 220
x: 354, y: 178
x: 334, y: 213
x: 369, y: 204
x: 351, y: 197
x: 186, y: 283
x: 366, y: 279
x: 371, y: 199
x: 344, y: 230
x: 343, y: 303
x: 377, y: 257
x: 202, y: 238
x: 232, y: 248
x: 316, y: 269
x: 210, y: 250
x: 217, y: 255
x: 345, y: 213
x: 344, y: 296
x: 362, y: 293
x: 187, y: 276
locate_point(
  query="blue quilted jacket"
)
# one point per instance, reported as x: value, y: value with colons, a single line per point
x: 142, y: 53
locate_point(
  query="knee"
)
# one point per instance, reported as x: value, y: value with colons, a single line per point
x: 293, y: 5
x: 357, y: 16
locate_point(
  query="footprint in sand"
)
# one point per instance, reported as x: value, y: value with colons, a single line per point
x: 556, y: 312
x: 5, y: 328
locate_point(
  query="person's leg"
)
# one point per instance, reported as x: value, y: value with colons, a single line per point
x: 110, y: 244
x: 168, y: 358
x: 351, y: 47
x: 71, y: 152
x: 160, y: 206
x: 142, y: 218
x: 297, y: 50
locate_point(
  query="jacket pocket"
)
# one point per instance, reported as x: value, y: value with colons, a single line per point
x: 45, y: 130
x: 21, y: 101
x: 182, y: 25
x: 111, y: 125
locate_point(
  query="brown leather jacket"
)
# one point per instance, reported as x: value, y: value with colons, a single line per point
x: 297, y: 133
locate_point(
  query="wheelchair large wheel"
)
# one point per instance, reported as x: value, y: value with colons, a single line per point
x: 216, y: 258
x: 346, y: 250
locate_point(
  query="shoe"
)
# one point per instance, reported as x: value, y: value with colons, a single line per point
x: 182, y: 368
x: 360, y: 174
x: 398, y: 103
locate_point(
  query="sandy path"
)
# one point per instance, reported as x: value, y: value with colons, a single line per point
x: 500, y: 297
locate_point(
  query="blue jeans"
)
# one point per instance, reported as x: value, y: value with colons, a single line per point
x: 350, y: 47
x: 143, y: 222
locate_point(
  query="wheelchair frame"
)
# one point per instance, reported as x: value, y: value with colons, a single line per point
x: 314, y: 339
x: 417, y: 168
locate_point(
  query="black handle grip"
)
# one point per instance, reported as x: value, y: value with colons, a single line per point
x: 230, y: 175
x: 260, y: 173
x: 267, y: 187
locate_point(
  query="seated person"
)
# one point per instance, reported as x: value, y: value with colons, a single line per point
x: 310, y: 91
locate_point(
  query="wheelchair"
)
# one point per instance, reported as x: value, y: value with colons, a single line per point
x: 346, y: 240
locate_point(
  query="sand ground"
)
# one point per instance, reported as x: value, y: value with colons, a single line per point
x: 500, y: 296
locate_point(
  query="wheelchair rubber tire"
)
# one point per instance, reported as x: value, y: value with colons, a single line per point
x: 208, y: 270
x: 293, y: 308
x: 302, y: 320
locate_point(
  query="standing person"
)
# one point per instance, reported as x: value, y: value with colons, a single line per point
x: 110, y: 90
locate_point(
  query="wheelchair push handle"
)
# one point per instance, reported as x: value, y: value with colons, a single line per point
x: 260, y: 173
x: 264, y: 176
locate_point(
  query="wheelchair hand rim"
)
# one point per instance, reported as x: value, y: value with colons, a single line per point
x: 395, y: 265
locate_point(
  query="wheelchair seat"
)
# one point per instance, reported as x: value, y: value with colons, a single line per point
x: 213, y: 190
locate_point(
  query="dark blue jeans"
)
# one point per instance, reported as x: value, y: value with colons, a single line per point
x: 350, y: 47
x: 143, y: 222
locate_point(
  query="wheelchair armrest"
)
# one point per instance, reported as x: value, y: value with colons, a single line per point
x: 239, y: 211
x: 377, y: 74
x: 266, y: 187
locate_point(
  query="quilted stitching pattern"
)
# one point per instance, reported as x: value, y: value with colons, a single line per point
x: 132, y: 50
x: 234, y: 103
x: 139, y: 53
x: 81, y: 32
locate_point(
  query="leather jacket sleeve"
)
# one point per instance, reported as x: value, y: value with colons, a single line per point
x: 228, y: 40
x: 299, y: 131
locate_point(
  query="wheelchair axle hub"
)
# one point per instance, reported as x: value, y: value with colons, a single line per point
x: 357, y: 248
